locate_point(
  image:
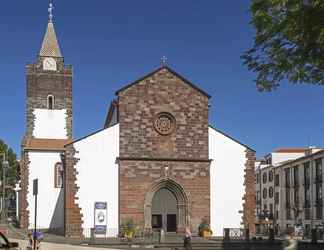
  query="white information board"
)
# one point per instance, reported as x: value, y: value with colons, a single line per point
x: 100, y: 220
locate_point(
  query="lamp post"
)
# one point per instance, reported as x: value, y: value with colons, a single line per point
x: 265, y: 217
x: 268, y: 217
x: 5, y: 165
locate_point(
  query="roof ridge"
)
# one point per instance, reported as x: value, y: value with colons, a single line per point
x: 170, y: 70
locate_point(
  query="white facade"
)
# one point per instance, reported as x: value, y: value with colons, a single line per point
x: 97, y: 177
x: 50, y: 199
x: 294, y: 190
x: 50, y: 124
x: 288, y: 185
x: 227, y: 181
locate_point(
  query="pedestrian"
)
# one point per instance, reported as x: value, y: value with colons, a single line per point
x: 187, y: 239
x: 291, y: 242
x: 30, y: 242
x: 35, y: 239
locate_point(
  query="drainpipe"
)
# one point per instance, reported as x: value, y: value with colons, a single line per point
x: 274, y: 215
x: 261, y: 193
x: 62, y: 156
x: 311, y: 191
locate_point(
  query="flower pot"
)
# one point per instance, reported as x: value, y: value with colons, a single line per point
x: 206, y: 233
x: 129, y: 235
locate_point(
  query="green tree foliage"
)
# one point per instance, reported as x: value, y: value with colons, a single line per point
x: 289, y: 42
x: 12, y: 174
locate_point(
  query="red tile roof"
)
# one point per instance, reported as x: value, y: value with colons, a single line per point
x: 291, y: 150
x: 46, y: 144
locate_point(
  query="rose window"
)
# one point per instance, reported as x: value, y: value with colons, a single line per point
x: 164, y: 123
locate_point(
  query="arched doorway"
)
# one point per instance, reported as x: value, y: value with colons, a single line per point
x: 164, y: 211
x: 166, y: 206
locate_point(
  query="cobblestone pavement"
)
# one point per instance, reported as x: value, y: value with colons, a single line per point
x: 52, y: 246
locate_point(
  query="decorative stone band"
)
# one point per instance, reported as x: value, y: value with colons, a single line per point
x: 249, y: 204
x: 73, y: 213
x: 24, y: 173
x: 162, y: 159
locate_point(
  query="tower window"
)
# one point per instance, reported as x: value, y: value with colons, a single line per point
x: 50, y: 102
x: 58, y: 175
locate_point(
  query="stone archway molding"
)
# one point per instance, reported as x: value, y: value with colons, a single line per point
x: 182, y: 202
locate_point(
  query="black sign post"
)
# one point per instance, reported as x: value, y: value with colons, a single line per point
x: 35, y: 193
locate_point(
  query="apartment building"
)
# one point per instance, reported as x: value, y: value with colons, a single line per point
x: 289, y: 190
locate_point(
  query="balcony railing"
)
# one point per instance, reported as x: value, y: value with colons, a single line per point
x: 307, y: 214
x: 271, y: 216
x: 307, y: 204
x: 319, y: 179
x: 319, y: 203
x: 307, y: 182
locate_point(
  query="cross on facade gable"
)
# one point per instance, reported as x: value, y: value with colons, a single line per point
x: 164, y: 61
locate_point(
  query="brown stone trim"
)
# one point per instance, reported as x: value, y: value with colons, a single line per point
x: 112, y: 107
x: 73, y: 214
x: 24, y: 173
x: 161, y: 159
x: 249, y: 204
x: 46, y: 144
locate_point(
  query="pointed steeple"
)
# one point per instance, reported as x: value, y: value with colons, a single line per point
x: 50, y: 46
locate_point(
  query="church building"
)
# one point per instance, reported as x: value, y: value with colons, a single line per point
x: 156, y: 160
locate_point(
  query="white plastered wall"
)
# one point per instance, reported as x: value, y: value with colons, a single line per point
x: 277, y: 158
x: 50, y: 212
x: 50, y: 124
x: 227, y: 181
x: 97, y: 177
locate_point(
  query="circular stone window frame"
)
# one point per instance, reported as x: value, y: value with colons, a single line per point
x: 173, y: 123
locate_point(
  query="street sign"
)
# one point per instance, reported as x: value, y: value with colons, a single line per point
x: 35, y: 193
x: 35, y: 187
x: 100, y: 220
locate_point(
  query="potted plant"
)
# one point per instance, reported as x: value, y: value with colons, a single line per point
x: 204, y: 229
x: 128, y: 229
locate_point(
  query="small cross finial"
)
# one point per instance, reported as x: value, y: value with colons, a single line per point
x: 50, y: 11
x: 164, y: 61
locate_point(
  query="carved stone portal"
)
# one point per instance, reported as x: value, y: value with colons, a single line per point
x: 182, y: 203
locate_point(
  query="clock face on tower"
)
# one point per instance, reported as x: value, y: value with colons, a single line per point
x: 49, y: 63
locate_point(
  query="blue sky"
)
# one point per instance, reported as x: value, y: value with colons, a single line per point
x: 112, y: 43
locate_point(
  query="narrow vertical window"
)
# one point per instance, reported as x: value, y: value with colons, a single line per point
x: 50, y: 102
x: 58, y: 175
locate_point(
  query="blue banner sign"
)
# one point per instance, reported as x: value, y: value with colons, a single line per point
x: 100, y: 213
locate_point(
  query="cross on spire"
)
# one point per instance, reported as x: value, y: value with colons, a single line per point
x: 50, y: 46
x: 50, y: 11
x: 164, y: 61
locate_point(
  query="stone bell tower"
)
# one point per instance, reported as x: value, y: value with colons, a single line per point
x: 49, y: 92
x: 48, y: 128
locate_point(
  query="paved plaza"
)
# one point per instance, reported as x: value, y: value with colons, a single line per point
x: 54, y: 246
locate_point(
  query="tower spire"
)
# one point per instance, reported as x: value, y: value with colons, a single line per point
x: 50, y: 46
